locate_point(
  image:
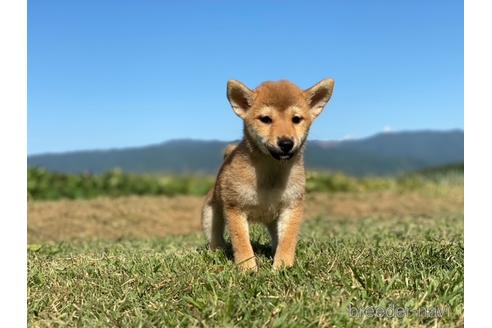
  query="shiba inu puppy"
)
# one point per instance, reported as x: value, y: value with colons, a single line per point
x: 262, y: 178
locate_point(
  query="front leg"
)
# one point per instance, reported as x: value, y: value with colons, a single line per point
x: 237, y: 223
x: 288, y: 225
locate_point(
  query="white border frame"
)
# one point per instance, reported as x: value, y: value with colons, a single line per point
x: 13, y: 167
x: 478, y: 217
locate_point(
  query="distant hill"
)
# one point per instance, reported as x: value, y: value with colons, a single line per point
x: 381, y: 154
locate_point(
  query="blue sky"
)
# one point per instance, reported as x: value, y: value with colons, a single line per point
x: 105, y: 74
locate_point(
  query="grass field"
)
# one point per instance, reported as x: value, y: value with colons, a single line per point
x: 387, y: 257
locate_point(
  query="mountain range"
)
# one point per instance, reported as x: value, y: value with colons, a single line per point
x: 381, y: 154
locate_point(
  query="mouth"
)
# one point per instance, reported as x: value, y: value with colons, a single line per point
x: 281, y: 156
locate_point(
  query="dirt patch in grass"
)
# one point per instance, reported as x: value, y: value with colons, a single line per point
x: 385, y: 204
x: 149, y: 217
x: 112, y: 218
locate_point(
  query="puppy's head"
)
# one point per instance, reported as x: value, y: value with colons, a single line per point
x: 277, y: 115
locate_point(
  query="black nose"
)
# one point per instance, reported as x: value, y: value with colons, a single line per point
x: 285, y: 144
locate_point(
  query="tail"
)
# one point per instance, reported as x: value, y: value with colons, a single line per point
x: 229, y: 149
x: 212, y: 223
x: 207, y: 217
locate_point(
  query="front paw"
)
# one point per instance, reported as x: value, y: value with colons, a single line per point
x: 280, y: 263
x: 248, y: 264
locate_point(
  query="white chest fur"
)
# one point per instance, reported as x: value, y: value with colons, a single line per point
x: 265, y: 202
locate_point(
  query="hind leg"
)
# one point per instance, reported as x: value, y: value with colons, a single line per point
x: 213, y: 225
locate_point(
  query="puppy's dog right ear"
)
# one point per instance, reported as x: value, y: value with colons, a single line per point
x: 318, y: 95
x: 240, y: 97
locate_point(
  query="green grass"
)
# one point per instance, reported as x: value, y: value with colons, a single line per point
x: 46, y: 185
x: 415, y: 263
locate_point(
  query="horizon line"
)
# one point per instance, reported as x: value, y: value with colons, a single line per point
x: 343, y: 139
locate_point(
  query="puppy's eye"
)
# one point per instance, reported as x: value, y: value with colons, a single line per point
x: 297, y: 119
x: 266, y: 119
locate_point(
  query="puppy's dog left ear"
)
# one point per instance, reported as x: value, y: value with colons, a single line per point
x: 240, y: 97
x: 318, y: 95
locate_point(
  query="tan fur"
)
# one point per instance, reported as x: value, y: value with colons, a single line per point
x: 229, y: 149
x: 258, y: 181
